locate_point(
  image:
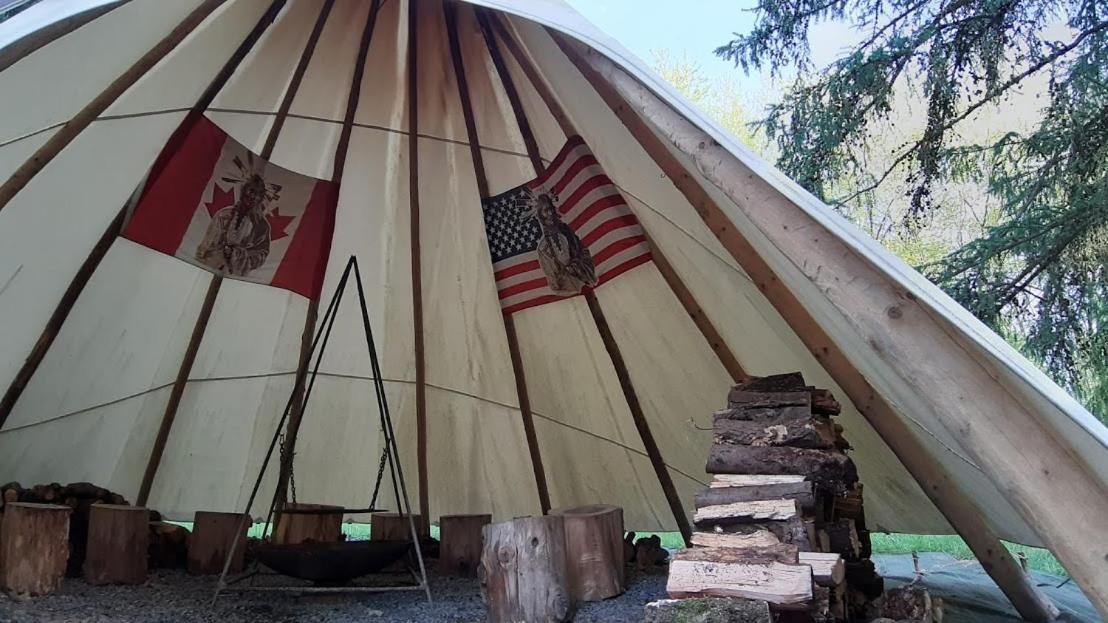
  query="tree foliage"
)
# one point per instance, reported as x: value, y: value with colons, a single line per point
x: 1039, y: 272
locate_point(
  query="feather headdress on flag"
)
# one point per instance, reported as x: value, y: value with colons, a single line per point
x: 248, y: 176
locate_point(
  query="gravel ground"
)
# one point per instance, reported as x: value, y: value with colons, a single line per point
x: 176, y: 597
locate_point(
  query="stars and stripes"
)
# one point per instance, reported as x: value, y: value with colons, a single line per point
x: 527, y: 256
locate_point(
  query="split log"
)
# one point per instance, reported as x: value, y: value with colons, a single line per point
x: 805, y: 431
x: 775, y: 401
x: 778, y: 583
x: 827, y: 568
x: 594, y: 551
x: 118, y: 539
x: 34, y: 546
x: 460, y: 543
x: 833, y: 470
x: 760, y: 537
x: 799, y: 491
x: 169, y: 545
x: 392, y: 526
x: 523, y: 571
x: 778, y: 552
x: 746, y: 512
x: 754, y: 480
x: 212, y: 538
x: 293, y: 528
x: 707, y: 610
x: 824, y: 403
x: 787, y: 382
x: 849, y: 506
x: 842, y: 538
x: 911, y: 602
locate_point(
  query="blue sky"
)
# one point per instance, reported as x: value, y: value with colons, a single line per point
x: 694, y: 28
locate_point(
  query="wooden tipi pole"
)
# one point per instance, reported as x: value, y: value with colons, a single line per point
x: 64, y: 136
x: 185, y: 369
x: 489, y: 23
x: 341, y: 150
x: 610, y: 344
x: 88, y: 267
x: 934, y: 479
x: 449, y: 10
x: 417, y: 267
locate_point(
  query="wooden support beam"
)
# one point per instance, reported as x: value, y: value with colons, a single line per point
x: 292, y: 429
x: 526, y: 415
x: 704, y: 324
x: 64, y: 136
x: 417, y: 269
x: 637, y: 414
x: 88, y: 267
x: 24, y: 46
x: 959, y: 508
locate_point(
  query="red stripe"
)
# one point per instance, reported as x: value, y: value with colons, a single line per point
x: 627, y: 220
x: 522, y: 287
x: 573, y: 141
x: 542, y: 300
x: 516, y: 269
x: 616, y: 247
x: 618, y: 270
x: 582, y: 163
x: 593, y: 183
x: 302, y: 267
x: 595, y: 208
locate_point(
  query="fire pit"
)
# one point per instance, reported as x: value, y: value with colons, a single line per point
x: 332, y: 563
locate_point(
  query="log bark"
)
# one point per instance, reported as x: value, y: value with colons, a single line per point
x: 392, y: 526
x: 460, y: 543
x: 787, y: 431
x: 799, y: 491
x: 912, y: 603
x: 707, y: 610
x: 832, y: 469
x: 827, y: 568
x: 765, y: 554
x: 594, y: 551
x: 787, y: 382
x: 778, y: 583
x: 523, y: 571
x: 212, y: 538
x: 746, y: 512
x: 296, y: 528
x: 34, y: 547
x: 745, y: 400
x: 118, y: 540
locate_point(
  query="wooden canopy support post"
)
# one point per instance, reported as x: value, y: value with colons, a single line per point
x: 88, y: 267
x: 483, y: 189
x: 183, y: 372
x: 489, y: 23
x: 652, y: 451
x: 20, y: 49
x: 417, y: 269
x: 936, y: 482
x: 63, y: 137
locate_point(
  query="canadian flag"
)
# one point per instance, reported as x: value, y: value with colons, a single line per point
x: 213, y: 203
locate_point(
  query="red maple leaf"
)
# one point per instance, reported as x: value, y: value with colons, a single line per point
x: 220, y: 199
x: 277, y: 224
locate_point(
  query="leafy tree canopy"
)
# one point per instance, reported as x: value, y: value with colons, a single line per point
x: 1039, y: 272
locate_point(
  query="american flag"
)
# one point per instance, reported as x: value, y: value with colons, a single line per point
x: 593, y: 238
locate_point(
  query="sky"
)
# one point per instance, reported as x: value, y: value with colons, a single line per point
x: 694, y: 28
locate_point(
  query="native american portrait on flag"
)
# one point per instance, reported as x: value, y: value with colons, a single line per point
x: 213, y: 203
x: 564, y: 232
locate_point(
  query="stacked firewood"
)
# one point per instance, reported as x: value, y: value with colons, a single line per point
x: 783, y: 519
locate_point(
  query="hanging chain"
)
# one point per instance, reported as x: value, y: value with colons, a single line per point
x: 380, y: 472
x: 286, y: 459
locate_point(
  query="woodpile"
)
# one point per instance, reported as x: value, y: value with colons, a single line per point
x: 782, y: 521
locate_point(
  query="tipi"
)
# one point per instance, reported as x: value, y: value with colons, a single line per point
x: 146, y: 373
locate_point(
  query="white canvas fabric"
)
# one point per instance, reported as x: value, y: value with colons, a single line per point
x: 92, y: 409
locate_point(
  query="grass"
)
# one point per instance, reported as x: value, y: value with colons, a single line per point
x: 1038, y: 559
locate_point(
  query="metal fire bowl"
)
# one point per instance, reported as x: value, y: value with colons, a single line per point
x: 331, y: 563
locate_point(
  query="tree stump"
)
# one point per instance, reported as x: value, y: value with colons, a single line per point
x: 523, y: 570
x: 293, y: 528
x: 118, y: 538
x: 392, y: 526
x: 460, y: 543
x: 594, y: 550
x: 34, y: 547
x: 213, y: 535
